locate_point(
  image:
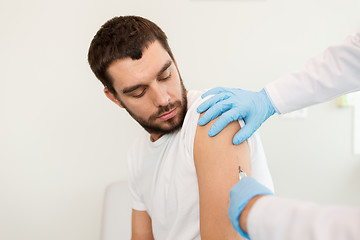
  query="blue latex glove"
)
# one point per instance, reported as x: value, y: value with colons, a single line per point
x: 240, y: 194
x: 234, y: 104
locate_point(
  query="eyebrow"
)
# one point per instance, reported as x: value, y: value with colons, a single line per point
x: 133, y: 88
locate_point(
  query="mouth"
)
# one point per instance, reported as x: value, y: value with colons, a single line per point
x: 168, y: 115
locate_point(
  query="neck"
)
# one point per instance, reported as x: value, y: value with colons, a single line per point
x: 155, y: 136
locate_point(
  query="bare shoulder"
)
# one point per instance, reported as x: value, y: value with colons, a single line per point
x: 220, y: 147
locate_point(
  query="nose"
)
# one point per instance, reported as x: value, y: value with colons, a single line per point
x: 160, y: 95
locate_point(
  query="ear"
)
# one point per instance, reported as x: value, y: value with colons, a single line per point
x: 112, y: 97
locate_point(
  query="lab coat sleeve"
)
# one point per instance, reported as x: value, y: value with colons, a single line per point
x: 333, y: 73
x: 283, y: 219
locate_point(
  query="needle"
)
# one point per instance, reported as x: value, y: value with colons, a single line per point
x: 242, y: 174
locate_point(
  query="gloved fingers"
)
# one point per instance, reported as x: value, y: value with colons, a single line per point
x: 214, y: 91
x: 214, y: 111
x: 211, y: 102
x: 244, y: 133
x: 223, y: 121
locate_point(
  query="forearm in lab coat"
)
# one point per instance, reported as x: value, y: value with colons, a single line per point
x: 333, y: 73
x: 283, y: 219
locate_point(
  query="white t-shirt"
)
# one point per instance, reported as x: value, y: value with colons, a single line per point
x: 163, y: 181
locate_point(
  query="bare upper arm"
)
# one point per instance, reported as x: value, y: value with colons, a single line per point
x: 217, y: 163
x: 141, y: 228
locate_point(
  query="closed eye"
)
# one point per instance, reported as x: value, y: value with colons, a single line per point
x: 165, y: 78
x: 141, y: 94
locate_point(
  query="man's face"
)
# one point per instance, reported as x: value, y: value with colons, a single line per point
x: 150, y: 89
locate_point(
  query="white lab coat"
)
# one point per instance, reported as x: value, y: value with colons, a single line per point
x: 283, y: 219
x: 333, y: 73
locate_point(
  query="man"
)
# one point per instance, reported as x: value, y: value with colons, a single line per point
x: 178, y: 181
x: 255, y: 214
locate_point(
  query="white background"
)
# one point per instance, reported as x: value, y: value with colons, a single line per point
x: 357, y: 123
x: 62, y: 142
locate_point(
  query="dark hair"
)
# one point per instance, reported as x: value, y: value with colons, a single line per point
x: 122, y: 37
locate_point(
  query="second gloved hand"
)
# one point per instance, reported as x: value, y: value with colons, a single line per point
x: 234, y: 104
x: 240, y: 195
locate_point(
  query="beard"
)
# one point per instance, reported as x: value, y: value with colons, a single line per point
x: 168, y: 126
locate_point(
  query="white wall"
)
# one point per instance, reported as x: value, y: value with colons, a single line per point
x: 62, y: 141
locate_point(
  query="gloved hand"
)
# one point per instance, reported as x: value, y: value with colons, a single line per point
x: 240, y: 194
x: 234, y: 104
